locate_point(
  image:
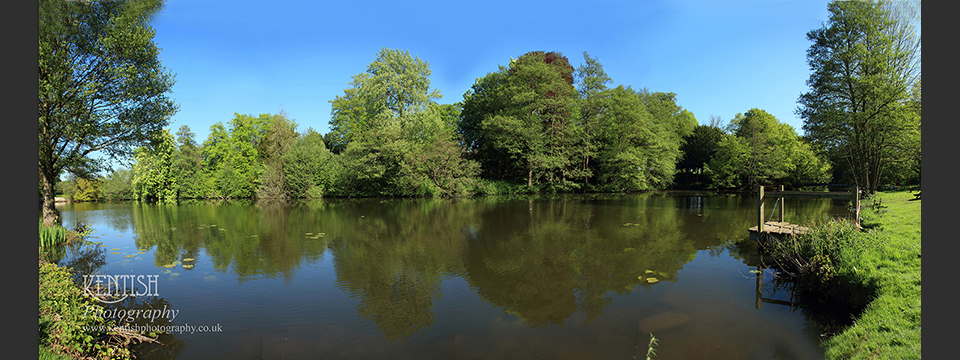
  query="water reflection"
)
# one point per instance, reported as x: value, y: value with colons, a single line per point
x: 86, y: 258
x: 566, y: 272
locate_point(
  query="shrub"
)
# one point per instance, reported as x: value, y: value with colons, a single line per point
x: 65, y: 326
x: 824, y: 261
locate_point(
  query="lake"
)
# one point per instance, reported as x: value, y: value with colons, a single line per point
x: 555, y: 277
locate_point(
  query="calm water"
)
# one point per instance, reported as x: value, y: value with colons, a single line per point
x: 486, y: 278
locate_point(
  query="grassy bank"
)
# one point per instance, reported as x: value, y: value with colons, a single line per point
x: 878, y: 269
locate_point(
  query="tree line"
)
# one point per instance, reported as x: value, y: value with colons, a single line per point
x: 536, y: 124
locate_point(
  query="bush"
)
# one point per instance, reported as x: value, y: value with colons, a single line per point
x: 64, y: 324
x: 824, y: 261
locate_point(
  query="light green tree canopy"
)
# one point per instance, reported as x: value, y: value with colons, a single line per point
x: 758, y: 149
x: 394, y: 86
x: 394, y: 138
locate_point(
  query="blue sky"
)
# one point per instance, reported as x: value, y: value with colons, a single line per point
x: 720, y: 57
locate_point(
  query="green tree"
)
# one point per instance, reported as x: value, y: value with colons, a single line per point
x: 863, y: 61
x: 101, y: 85
x: 485, y: 98
x: 594, y: 100
x: 635, y: 152
x: 698, y: 148
x: 152, y: 177
x: 187, y: 166
x: 118, y: 185
x: 238, y: 148
x: 88, y: 190
x: 537, y: 128
x: 396, y: 141
x: 275, y: 144
x: 760, y: 150
x: 309, y: 167
x: 394, y: 85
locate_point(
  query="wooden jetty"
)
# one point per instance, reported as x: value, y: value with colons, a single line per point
x: 779, y: 229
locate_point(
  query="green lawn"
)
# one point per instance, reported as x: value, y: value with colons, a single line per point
x: 889, y: 328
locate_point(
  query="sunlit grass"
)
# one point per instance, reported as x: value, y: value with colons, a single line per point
x: 889, y: 328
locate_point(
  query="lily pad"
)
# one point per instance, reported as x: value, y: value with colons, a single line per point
x: 115, y: 253
x: 309, y: 234
x: 131, y: 255
x: 662, y: 274
x: 652, y: 280
x: 169, y: 266
x: 115, y: 249
x: 648, y: 272
x: 187, y: 266
x: 188, y: 259
x: 627, y: 224
x: 640, y: 277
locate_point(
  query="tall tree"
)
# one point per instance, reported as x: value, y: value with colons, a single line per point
x: 759, y: 149
x: 594, y: 100
x: 101, y: 85
x: 152, y: 177
x: 186, y: 165
x: 394, y: 85
x: 634, y: 153
x: 395, y: 139
x: 698, y: 148
x: 538, y: 129
x: 277, y: 141
x: 863, y: 61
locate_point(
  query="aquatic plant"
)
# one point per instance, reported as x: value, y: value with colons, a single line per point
x: 52, y: 236
x: 650, y: 347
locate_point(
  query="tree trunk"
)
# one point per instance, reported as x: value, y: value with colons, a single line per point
x: 51, y: 216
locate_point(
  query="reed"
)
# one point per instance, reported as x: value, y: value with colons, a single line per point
x: 52, y: 236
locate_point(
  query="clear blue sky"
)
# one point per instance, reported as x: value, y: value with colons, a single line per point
x: 253, y: 57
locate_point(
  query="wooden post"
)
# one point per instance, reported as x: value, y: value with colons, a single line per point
x: 760, y: 213
x: 783, y: 205
x: 856, y: 206
x: 759, y: 293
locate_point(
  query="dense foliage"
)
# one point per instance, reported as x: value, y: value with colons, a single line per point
x: 64, y: 324
x: 101, y: 85
x: 758, y: 149
x: 535, y: 125
x: 864, y: 62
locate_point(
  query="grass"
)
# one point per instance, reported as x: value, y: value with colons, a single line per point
x: 878, y: 269
x: 47, y: 354
x: 889, y: 328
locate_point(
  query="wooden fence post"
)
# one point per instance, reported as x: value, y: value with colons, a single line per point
x: 760, y: 213
x: 783, y: 205
x: 856, y: 206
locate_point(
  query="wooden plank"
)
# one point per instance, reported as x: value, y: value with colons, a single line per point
x: 812, y: 194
